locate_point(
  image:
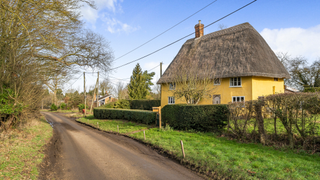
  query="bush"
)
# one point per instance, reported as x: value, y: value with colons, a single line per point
x: 53, y: 107
x: 195, y: 117
x: 140, y: 116
x: 109, y: 105
x: 122, y: 104
x: 62, y: 106
x: 144, y: 104
x: 81, y: 106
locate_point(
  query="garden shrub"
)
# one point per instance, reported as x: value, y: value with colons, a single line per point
x: 122, y: 104
x: 62, y: 106
x: 140, y: 116
x: 144, y: 104
x: 109, y: 105
x: 53, y: 107
x: 81, y: 106
x: 195, y: 117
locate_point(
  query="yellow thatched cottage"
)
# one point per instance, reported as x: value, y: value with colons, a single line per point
x: 242, y: 66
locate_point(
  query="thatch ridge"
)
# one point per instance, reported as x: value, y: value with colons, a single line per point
x: 233, y: 52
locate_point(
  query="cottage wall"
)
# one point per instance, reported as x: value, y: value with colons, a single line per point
x: 251, y: 89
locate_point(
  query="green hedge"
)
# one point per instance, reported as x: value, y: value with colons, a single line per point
x: 140, y: 116
x: 197, y: 117
x: 312, y: 89
x: 144, y: 104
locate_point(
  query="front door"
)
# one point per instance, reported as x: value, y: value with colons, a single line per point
x: 216, y: 99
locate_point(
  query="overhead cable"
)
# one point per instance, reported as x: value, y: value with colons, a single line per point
x: 183, y: 37
x: 166, y: 30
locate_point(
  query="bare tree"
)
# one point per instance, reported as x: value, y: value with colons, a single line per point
x: 222, y: 26
x: 193, y: 81
x: 39, y: 42
x: 302, y: 74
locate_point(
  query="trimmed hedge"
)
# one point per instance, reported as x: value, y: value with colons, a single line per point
x: 197, y: 117
x: 312, y: 89
x: 140, y: 116
x: 144, y: 104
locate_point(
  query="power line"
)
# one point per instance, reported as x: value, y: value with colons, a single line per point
x: 166, y: 30
x: 74, y: 82
x: 154, y: 67
x: 183, y: 37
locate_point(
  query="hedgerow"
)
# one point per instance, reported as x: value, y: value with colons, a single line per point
x: 140, y: 116
x: 195, y: 117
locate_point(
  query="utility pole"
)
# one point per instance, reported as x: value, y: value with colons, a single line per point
x: 97, y: 97
x: 84, y: 92
x: 160, y: 77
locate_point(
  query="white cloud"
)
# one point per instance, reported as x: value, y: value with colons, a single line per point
x: 91, y: 15
x: 295, y: 41
x: 115, y: 26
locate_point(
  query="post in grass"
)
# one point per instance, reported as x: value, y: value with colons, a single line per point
x: 98, y: 124
x: 182, y: 148
x: 144, y: 134
x: 118, y: 128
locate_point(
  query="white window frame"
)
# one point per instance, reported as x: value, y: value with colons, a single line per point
x: 214, y: 81
x: 171, y: 100
x: 172, y: 86
x: 244, y: 99
x: 237, y: 82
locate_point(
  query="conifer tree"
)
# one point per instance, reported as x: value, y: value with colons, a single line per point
x: 140, y: 83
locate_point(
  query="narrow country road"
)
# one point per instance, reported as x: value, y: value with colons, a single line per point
x: 91, y: 154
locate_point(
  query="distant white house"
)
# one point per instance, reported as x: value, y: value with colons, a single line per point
x: 103, y: 99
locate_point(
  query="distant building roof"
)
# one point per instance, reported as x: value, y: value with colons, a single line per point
x: 290, y: 89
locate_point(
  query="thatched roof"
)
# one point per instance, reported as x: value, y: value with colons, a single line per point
x: 233, y: 52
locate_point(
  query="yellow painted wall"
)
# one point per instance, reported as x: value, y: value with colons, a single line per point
x: 252, y: 88
x: 262, y: 86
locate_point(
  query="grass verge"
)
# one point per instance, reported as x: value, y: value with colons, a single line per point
x: 111, y: 125
x: 236, y: 160
x: 20, y: 150
x: 209, y: 153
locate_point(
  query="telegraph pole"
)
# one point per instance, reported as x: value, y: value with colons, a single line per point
x: 160, y: 77
x: 85, y: 95
x: 97, y: 91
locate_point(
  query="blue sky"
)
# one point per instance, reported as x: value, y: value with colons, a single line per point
x: 290, y: 26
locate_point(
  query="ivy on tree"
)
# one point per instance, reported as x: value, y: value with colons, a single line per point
x: 140, y: 82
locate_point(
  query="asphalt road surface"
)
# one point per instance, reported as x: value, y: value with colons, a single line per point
x: 91, y: 154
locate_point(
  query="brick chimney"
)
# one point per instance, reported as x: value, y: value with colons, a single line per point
x: 199, y: 29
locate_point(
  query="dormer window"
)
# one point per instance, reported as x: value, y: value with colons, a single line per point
x: 235, y: 82
x: 172, y: 86
x: 276, y: 79
x: 217, y: 81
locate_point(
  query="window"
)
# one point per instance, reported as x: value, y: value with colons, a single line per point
x: 237, y: 98
x: 276, y: 79
x: 217, y: 81
x: 216, y: 99
x: 172, y: 86
x: 235, y: 82
x: 171, y: 100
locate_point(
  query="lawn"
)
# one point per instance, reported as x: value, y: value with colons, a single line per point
x: 226, y: 157
x: 111, y: 125
x: 20, y: 150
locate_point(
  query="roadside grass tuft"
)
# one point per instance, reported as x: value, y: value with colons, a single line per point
x: 20, y: 150
x: 111, y: 125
